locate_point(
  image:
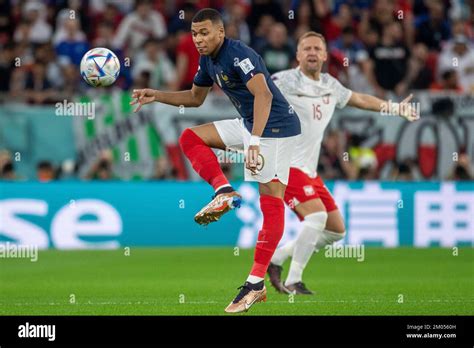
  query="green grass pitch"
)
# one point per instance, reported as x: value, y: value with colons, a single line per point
x: 202, y: 281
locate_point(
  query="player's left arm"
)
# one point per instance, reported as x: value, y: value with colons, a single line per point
x: 368, y: 102
x: 251, y: 70
x: 262, y: 104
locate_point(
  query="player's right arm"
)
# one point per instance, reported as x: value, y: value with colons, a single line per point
x: 367, y: 102
x: 190, y: 98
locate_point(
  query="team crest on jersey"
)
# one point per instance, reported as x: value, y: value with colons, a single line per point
x: 226, y: 80
x: 326, y: 99
x: 308, y: 190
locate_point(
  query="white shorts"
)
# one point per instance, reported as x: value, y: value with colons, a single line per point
x: 276, y: 153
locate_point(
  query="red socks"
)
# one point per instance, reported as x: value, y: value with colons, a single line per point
x: 202, y: 158
x: 273, y: 210
x: 205, y: 163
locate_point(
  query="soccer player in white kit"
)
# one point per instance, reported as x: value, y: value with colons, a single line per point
x: 314, y: 96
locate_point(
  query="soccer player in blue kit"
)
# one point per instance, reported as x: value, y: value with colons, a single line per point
x: 267, y: 131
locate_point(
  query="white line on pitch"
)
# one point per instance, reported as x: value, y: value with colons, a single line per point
x: 89, y: 303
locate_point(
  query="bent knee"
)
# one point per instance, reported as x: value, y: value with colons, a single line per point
x: 188, y: 137
x: 340, y: 230
x: 335, y: 222
x: 316, y: 220
x: 338, y: 227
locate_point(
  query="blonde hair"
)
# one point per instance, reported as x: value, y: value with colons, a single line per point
x: 310, y: 34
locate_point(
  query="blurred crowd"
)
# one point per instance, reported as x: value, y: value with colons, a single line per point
x: 342, y: 157
x: 375, y: 46
x: 380, y: 47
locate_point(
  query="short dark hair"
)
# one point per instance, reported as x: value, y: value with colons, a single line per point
x: 208, y: 14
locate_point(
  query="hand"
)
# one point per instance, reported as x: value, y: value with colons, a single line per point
x: 251, y: 160
x: 407, y: 110
x: 142, y: 97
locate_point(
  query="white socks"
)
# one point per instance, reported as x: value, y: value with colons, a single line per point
x: 313, y: 225
x: 324, y: 238
x: 312, y: 237
x: 254, y: 279
x: 328, y: 238
x: 284, y: 252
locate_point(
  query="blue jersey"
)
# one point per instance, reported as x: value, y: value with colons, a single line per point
x: 234, y: 65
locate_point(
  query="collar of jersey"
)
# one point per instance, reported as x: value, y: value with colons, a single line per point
x: 226, y: 42
x: 307, y: 79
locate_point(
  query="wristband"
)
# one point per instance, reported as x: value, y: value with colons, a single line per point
x: 254, y: 140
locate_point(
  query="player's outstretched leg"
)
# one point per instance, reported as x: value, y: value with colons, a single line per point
x: 304, y: 247
x: 313, y: 215
x: 204, y: 162
x: 273, y: 210
x: 313, y: 225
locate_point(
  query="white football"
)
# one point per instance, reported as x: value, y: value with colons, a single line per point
x: 100, y: 67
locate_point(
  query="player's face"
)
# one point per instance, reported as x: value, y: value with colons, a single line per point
x: 207, y: 36
x: 311, y: 54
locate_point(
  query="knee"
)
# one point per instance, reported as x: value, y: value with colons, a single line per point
x: 338, y: 228
x: 335, y: 223
x: 187, y: 139
x: 185, y: 136
x: 341, y: 230
x: 316, y: 220
x: 273, y: 188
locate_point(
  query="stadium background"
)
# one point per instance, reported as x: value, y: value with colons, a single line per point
x: 119, y: 181
x: 414, y: 173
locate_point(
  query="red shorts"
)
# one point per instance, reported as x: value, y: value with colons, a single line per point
x: 302, y: 188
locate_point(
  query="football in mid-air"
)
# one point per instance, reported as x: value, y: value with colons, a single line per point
x: 100, y: 67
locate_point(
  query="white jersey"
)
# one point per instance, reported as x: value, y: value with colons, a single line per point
x: 314, y: 102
